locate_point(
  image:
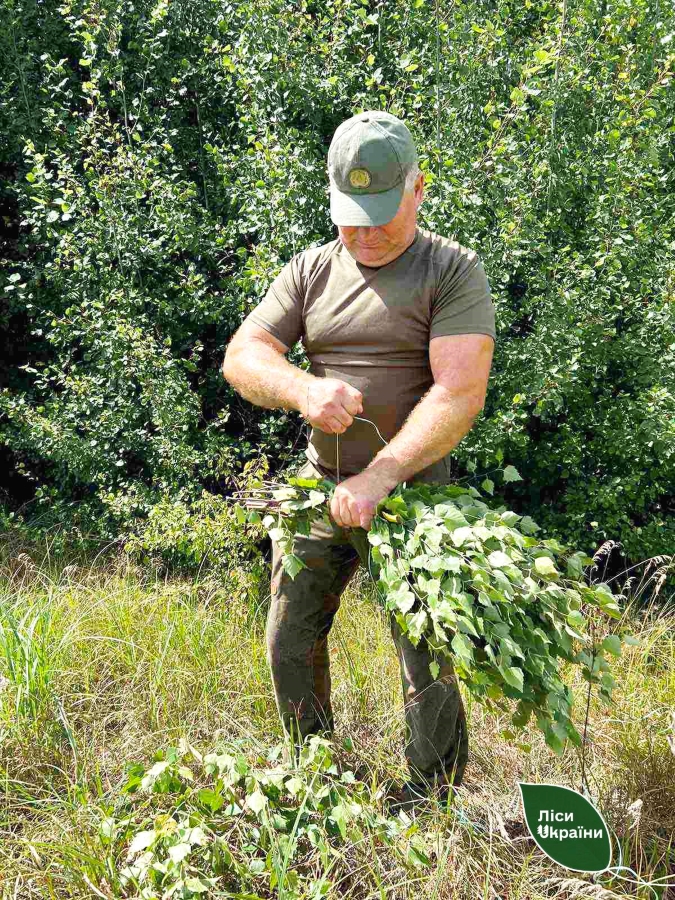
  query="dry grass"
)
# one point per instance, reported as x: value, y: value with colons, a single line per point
x: 126, y: 662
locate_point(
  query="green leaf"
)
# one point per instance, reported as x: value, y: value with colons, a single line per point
x: 416, y: 856
x: 510, y: 518
x: 256, y: 801
x: 303, y: 526
x: 210, y: 799
x: 294, y: 786
x: 256, y: 867
x: 612, y: 610
x: 528, y: 525
x: 430, y: 586
x: 292, y: 564
x: 467, y: 626
x: 285, y: 493
x: 452, y: 517
x: 523, y: 714
x: 339, y: 816
x: 488, y: 486
x: 510, y: 473
x: 296, y: 505
x: 461, y: 535
x: 197, y: 885
x: 512, y: 675
x: 554, y: 742
x: 416, y: 625
x: 612, y: 643
x: 179, y: 852
x: 240, y: 513
x: 402, y: 598
x: 576, y: 619
x: 575, y: 565
x: 498, y: 558
x: 450, y: 563
x: 435, y: 669
x: 510, y: 647
x: 462, y: 647
x: 196, y: 836
x: 304, y: 482
x: 141, y: 841
x: 545, y: 567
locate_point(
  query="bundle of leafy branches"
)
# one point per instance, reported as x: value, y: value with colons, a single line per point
x: 193, y: 825
x: 473, y: 581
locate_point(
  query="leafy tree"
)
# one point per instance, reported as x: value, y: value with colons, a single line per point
x: 161, y: 161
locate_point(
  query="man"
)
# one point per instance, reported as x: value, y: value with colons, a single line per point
x: 399, y: 328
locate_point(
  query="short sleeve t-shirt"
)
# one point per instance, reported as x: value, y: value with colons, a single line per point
x: 371, y: 327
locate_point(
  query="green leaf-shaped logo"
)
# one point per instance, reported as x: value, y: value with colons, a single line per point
x: 567, y: 827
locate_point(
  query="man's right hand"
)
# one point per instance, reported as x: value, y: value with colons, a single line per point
x: 332, y: 405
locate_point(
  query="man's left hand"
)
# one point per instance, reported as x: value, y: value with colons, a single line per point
x: 355, y: 499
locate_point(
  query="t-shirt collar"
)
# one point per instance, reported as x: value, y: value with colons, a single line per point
x: 412, y: 247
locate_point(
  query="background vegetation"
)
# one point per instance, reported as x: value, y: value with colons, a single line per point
x: 161, y: 161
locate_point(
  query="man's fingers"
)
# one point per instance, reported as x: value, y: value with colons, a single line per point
x: 349, y: 511
x: 337, y: 512
x: 353, y: 405
x: 342, y: 416
x: 336, y: 426
x: 345, y: 509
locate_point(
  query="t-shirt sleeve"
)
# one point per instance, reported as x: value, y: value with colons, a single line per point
x: 280, y: 310
x: 463, y: 302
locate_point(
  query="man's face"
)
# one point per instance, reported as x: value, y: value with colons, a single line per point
x: 377, y: 245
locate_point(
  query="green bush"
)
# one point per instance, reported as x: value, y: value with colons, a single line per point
x: 205, y: 534
x: 162, y: 161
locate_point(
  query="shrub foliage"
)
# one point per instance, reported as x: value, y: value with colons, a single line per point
x: 162, y: 160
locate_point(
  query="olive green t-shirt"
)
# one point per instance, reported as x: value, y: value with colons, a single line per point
x: 371, y: 327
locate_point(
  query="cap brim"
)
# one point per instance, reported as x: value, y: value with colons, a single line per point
x: 365, y: 209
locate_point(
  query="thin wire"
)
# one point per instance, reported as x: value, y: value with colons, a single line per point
x: 337, y: 442
x: 361, y: 419
x: 613, y: 871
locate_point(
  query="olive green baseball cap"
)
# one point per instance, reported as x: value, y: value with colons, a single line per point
x: 367, y: 161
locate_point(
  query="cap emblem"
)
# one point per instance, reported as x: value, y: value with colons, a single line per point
x: 359, y: 178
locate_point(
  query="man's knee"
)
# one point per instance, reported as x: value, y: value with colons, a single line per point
x: 287, y: 645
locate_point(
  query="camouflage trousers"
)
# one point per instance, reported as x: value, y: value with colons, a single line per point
x: 300, y: 617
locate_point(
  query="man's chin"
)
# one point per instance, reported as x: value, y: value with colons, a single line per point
x: 373, y: 258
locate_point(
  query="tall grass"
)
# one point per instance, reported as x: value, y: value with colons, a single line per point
x: 103, y: 663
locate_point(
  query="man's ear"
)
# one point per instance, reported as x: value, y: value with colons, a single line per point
x: 419, y: 189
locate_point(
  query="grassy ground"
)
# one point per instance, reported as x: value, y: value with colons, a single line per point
x: 103, y: 663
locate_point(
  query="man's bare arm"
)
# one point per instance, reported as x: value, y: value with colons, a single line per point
x: 461, y: 368
x: 254, y: 365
